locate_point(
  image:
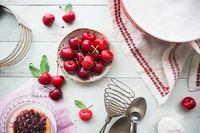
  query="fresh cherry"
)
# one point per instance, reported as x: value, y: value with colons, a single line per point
x: 106, y: 55
x: 48, y: 19
x: 101, y: 44
x: 88, y: 62
x: 57, y: 81
x: 75, y: 42
x: 88, y: 36
x: 98, y: 68
x: 85, y: 114
x: 96, y: 56
x: 70, y: 66
x: 80, y: 57
x: 45, y: 78
x: 83, y: 73
x: 188, y: 103
x: 87, y: 46
x: 69, y: 17
x: 67, y: 53
x: 56, y: 94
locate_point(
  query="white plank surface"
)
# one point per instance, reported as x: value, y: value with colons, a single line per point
x: 92, y: 94
x: 53, y: 2
x: 90, y: 14
x: 93, y: 17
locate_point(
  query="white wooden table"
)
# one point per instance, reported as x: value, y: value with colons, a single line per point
x: 92, y: 14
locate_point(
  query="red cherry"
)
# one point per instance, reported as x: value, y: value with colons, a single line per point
x: 67, y: 53
x: 56, y: 94
x: 69, y: 17
x: 48, y: 19
x: 88, y: 62
x: 75, y: 42
x: 88, y: 36
x: 83, y: 73
x: 87, y: 46
x: 57, y: 81
x: 85, y: 114
x: 80, y: 57
x: 188, y: 103
x: 96, y: 56
x: 70, y: 66
x: 106, y: 55
x: 101, y: 43
x: 45, y: 78
x: 98, y: 67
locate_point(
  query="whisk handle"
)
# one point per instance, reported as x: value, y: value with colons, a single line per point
x: 103, y: 128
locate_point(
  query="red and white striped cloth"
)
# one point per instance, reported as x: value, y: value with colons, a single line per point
x: 158, y: 63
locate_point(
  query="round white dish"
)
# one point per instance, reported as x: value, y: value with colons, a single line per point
x: 30, y: 105
x: 167, y: 20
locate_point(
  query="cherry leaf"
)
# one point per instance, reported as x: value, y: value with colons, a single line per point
x: 34, y: 70
x: 44, y: 66
x: 80, y: 104
x: 68, y: 7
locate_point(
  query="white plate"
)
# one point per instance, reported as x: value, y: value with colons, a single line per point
x: 168, y: 20
x: 13, y: 113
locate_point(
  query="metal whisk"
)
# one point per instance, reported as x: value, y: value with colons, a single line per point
x: 117, y: 98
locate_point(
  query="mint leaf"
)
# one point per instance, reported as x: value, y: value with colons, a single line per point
x: 80, y: 104
x: 44, y: 66
x: 68, y: 7
x: 35, y: 71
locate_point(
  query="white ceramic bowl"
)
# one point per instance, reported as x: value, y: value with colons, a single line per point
x: 64, y: 43
x: 167, y: 20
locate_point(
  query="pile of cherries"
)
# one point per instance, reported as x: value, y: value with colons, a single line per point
x: 86, y: 55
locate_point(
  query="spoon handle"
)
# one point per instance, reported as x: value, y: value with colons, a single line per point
x: 134, y: 127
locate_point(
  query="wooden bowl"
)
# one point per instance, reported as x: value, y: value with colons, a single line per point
x: 64, y: 43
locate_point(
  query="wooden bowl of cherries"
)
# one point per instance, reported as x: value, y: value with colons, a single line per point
x: 85, y: 55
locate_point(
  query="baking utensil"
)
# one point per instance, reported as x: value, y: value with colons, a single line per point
x: 136, y: 111
x: 117, y: 98
x: 122, y: 125
x: 171, y: 21
x: 64, y: 43
x: 23, y: 44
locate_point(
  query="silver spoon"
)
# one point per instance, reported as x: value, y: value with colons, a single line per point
x: 122, y: 125
x: 136, y: 111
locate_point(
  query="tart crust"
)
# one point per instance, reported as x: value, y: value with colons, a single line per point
x: 30, y: 120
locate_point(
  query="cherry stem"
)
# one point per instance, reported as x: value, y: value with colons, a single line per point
x: 57, y: 67
x: 61, y: 8
x: 90, y: 106
x: 95, y: 49
x: 58, y: 26
x: 78, y: 63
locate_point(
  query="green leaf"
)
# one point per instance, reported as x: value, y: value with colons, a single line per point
x: 80, y: 104
x: 35, y: 71
x: 68, y: 7
x: 44, y: 66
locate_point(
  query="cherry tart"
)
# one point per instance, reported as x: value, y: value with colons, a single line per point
x: 31, y: 121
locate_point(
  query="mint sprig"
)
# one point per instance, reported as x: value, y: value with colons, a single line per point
x: 34, y: 70
x: 80, y: 104
x: 44, y: 66
x: 68, y: 7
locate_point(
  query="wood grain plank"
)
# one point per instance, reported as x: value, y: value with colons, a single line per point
x: 50, y: 49
x: 53, y: 2
x: 93, y: 17
x: 93, y: 94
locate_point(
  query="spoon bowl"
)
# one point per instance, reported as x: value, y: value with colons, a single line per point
x: 136, y: 111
